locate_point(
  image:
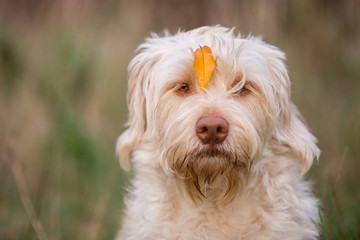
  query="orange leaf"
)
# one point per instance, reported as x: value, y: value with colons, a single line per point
x: 204, y: 65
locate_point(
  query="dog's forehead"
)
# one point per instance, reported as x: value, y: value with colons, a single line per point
x: 178, y: 53
x: 176, y: 57
x: 170, y: 58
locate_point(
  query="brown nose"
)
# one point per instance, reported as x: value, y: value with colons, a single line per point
x: 212, y: 129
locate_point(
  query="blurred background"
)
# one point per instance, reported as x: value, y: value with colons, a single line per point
x: 62, y: 102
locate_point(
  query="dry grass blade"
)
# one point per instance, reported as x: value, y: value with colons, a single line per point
x: 341, y: 166
x: 22, y: 187
x: 100, y: 209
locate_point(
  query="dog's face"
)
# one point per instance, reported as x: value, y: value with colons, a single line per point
x: 198, y: 135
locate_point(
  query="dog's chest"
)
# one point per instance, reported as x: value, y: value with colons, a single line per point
x: 207, y: 221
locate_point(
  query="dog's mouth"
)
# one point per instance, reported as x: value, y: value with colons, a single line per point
x: 206, y: 160
x: 211, y: 152
x: 210, y: 161
x: 203, y: 165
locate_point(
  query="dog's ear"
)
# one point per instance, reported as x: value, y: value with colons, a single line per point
x: 136, y: 124
x: 290, y: 134
x: 293, y: 134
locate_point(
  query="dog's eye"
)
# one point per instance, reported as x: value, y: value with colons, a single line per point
x: 237, y: 88
x: 184, y: 88
x: 245, y: 90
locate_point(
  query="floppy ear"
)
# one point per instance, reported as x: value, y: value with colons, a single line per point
x: 291, y: 134
x: 136, y: 123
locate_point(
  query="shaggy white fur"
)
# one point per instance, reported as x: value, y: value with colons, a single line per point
x: 249, y: 186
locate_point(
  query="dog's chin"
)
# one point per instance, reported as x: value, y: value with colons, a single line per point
x: 212, y: 173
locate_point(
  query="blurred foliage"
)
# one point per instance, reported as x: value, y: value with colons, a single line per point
x: 62, y: 102
x: 9, y: 62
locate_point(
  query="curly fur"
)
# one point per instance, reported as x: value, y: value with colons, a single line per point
x: 251, y: 185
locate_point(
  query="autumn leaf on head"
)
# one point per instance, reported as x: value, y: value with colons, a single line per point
x: 204, y: 65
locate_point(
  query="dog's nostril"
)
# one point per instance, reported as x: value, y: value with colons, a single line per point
x: 212, y: 129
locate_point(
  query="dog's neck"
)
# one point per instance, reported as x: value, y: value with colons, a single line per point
x: 215, y: 191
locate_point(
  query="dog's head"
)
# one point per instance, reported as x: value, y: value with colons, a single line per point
x: 196, y: 134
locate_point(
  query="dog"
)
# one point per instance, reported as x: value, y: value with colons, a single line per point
x: 225, y: 161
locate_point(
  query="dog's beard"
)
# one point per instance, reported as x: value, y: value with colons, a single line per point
x: 212, y: 173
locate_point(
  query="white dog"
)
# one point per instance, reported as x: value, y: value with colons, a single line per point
x: 221, y: 162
